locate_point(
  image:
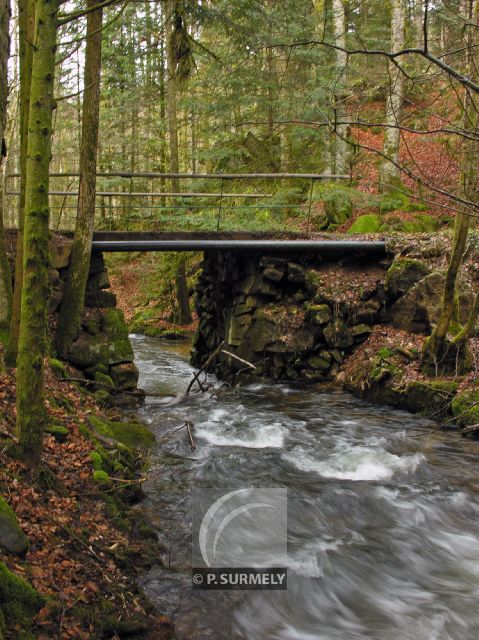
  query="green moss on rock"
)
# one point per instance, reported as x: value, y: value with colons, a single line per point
x: 59, y: 431
x: 19, y: 602
x: 101, y: 478
x: 402, y: 275
x: 131, y: 434
x: 465, y: 407
x: 431, y: 398
x: 58, y: 368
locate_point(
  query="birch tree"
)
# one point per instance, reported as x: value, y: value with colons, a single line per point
x: 339, y: 31
x: 389, y: 174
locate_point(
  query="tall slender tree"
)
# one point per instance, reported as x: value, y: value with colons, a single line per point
x: 74, y: 294
x: 339, y: 31
x: 389, y: 174
x: 178, y: 68
x: 35, y: 291
x: 5, y: 275
x: 446, y: 350
x: 26, y: 25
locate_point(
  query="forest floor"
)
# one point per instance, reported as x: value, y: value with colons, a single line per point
x: 80, y: 557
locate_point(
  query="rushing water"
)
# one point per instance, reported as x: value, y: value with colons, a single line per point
x: 382, y: 511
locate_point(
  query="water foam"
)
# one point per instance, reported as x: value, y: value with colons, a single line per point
x: 356, y: 463
x: 262, y: 437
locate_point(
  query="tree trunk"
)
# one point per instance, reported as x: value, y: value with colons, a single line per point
x: 26, y: 24
x: 443, y: 354
x: 340, y: 153
x: 5, y: 275
x: 73, y: 300
x: 35, y: 292
x: 389, y: 173
x: 184, y: 314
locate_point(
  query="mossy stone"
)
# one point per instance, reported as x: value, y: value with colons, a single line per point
x: 465, y: 407
x: 12, y: 538
x: 132, y: 434
x: 319, y: 314
x: 104, y: 379
x: 402, y: 275
x: 101, y: 478
x: 19, y: 601
x: 59, y: 431
x: 369, y: 223
x: 337, y: 335
x: 58, y: 368
x: 431, y: 398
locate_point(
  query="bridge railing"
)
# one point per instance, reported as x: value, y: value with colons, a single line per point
x: 150, y: 201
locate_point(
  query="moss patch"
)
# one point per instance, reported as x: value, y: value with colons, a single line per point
x: 465, y: 407
x: 369, y: 223
x: 19, y: 602
x: 131, y: 434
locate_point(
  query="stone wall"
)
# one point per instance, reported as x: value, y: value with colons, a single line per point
x: 294, y: 318
x: 102, y: 351
x: 298, y: 318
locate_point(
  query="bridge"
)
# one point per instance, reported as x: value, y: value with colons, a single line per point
x: 142, y: 214
x: 236, y: 242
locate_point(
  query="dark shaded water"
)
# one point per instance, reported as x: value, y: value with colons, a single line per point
x: 382, y: 511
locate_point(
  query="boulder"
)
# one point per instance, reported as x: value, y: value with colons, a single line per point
x: 320, y: 362
x: 319, y: 314
x: 60, y: 253
x: 110, y: 346
x: 132, y: 434
x: 360, y: 332
x: 367, y: 311
x: 338, y: 335
x: 12, y: 538
x: 273, y: 273
x: 418, y: 311
x: 125, y: 375
x: 402, y: 275
x: 296, y: 273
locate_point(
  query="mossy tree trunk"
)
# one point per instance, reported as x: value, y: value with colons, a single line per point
x: 446, y: 350
x: 26, y: 25
x: 71, y: 308
x: 184, y: 314
x: 5, y: 275
x: 35, y: 291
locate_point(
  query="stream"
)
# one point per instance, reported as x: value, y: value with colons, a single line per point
x: 383, y: 528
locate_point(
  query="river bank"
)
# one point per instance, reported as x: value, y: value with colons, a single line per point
x: 72, y: 544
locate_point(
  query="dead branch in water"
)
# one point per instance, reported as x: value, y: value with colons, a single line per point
x: 233, y: 355
x: 189, y: 426
x: 203, y: 367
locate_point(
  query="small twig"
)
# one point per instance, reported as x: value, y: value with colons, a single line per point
x: 204, y: 367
